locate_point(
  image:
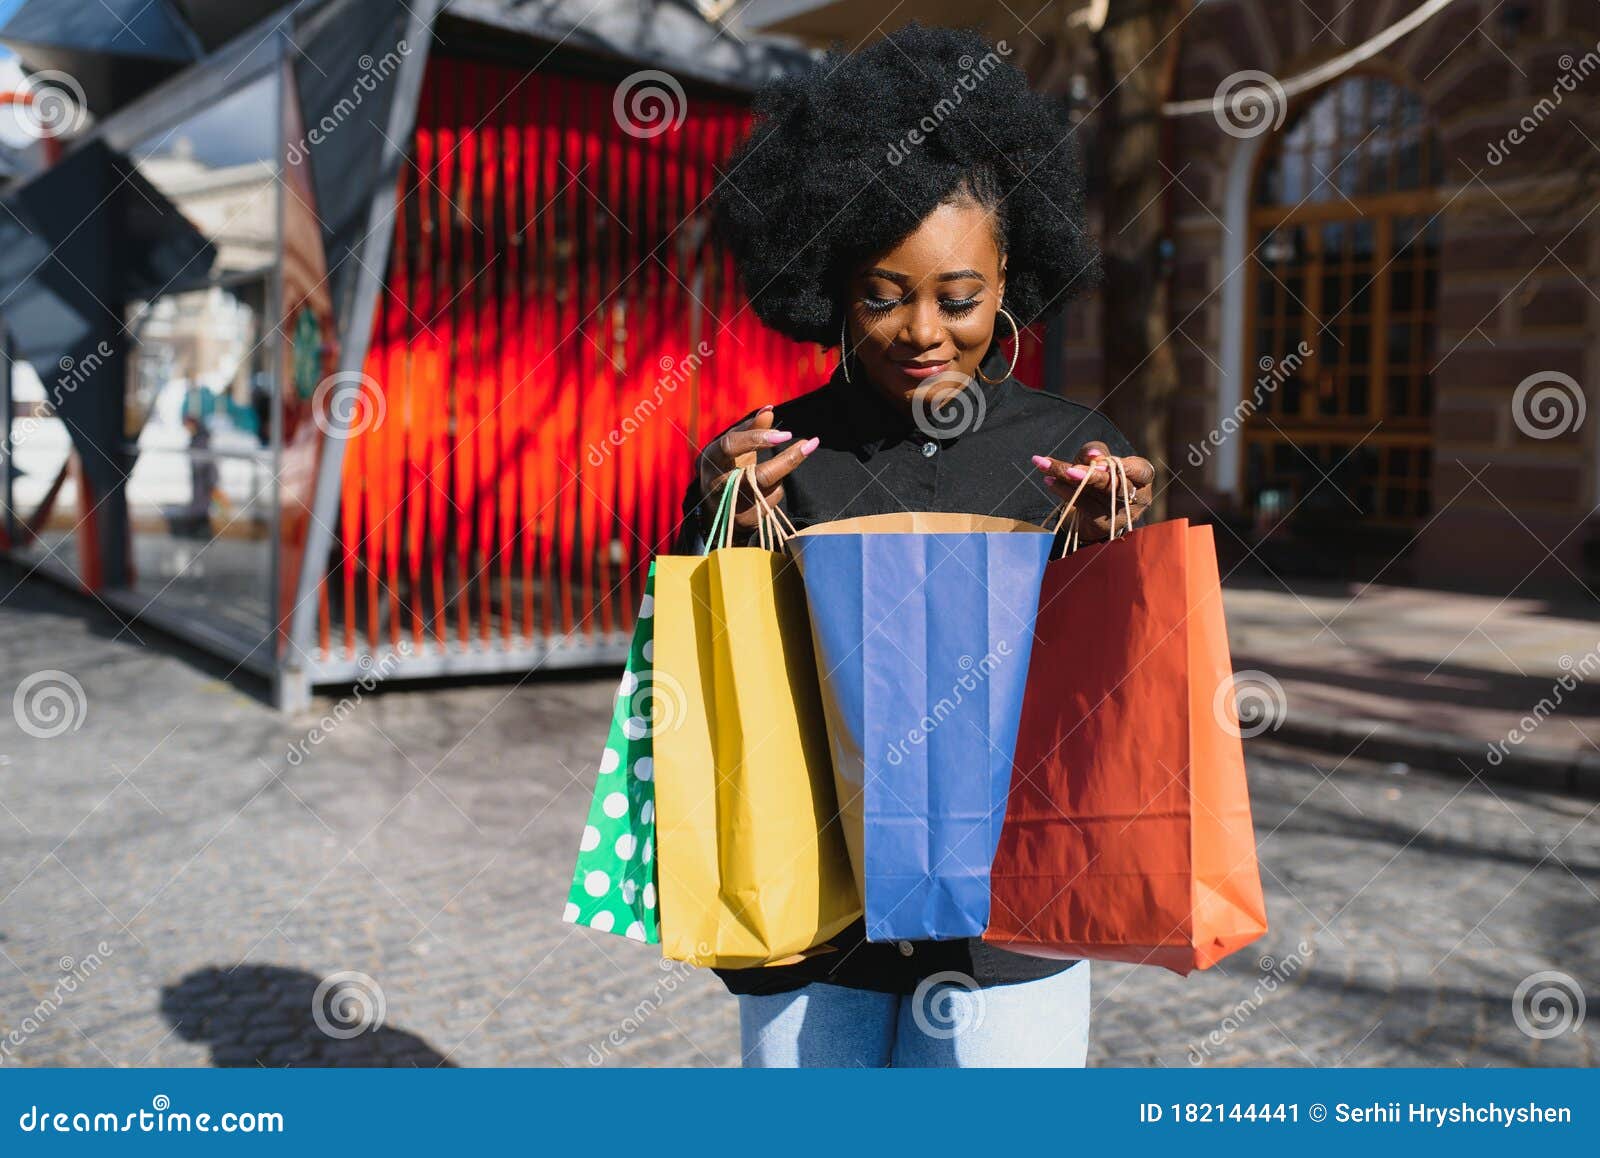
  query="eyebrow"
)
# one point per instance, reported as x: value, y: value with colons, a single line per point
x: 901, y: 278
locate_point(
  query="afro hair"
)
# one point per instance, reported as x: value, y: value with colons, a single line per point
x: 846, y: 159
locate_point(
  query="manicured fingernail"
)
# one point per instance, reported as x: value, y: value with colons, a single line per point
x: 1077, y: 473
x: 1041, y: 462
x: 777, y: 436
x: 765, y: 408
x: 809, y: 445
x: 1095, y: 453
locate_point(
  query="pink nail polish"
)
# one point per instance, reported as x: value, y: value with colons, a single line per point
x: 1077, y: 473
x: 765, y: 408
x: 777, y: 436
x: 1095, y: 453
x: 809, y: 445
x: 1041, y: 462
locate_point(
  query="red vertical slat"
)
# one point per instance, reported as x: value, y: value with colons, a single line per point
x: 513, y: 444
x: 441, y: 319
x: 614, y: 516
x: 560, y: 294
x: 466, y: 394
x: 578, y: 374
x: 396, y: 415
x: 488, y: 428
x: 426, y: 371
x: 537, y: 311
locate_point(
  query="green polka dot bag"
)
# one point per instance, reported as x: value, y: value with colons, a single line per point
x: 614, y: 881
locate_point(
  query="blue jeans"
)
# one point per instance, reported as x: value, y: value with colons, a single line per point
x: 946, y: 1024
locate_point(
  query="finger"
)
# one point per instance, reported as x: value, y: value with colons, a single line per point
x: 739, y: 447
x: 778, y: 467
x: 1071, y: 474
x: 717, y: 457
x: 1140, y: 473
x: 1090, y: 451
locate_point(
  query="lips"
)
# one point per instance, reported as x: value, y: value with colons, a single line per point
x: 922, y: 369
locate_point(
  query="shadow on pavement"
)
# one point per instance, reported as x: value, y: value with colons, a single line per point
x: 272, y: 1015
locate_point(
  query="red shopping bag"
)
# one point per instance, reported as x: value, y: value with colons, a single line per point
x: 1127, y: 834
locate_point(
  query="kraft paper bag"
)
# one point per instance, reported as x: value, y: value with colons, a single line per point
x: 614, y: 881
x: 923, y: 626
x: 752, y: 868
x: 1128, y: 834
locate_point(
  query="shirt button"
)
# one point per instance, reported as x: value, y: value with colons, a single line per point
x: 929, y: 449
x: 906, y: 948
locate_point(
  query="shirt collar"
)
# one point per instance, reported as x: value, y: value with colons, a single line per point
x: 875, y: 422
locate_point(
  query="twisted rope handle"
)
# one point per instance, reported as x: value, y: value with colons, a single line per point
x: 1120, y: 488
x: 773, y: 529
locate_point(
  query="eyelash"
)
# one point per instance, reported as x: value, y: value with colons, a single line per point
x: 954, y: 307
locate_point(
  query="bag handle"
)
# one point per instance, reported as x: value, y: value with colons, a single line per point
x: 722, y: 522
x: 1068, y: 537
x: 773, y: 528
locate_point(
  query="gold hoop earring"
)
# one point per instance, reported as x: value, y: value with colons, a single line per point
x: 1015, y: 353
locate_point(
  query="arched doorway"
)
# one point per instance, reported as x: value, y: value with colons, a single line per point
x: 1343, y: 281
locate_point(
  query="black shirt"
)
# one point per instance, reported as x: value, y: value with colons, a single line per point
x: 872, y: 459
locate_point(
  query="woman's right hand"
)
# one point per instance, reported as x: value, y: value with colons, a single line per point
x: 737, y: 448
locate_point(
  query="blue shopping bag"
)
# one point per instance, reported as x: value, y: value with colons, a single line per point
x: 923, y: 628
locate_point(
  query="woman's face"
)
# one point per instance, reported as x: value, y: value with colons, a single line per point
x: 921, y: 315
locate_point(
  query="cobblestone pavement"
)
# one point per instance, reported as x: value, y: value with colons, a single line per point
x: 175, y: 887
x: 1512, y: 672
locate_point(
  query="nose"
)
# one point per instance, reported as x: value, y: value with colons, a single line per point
x: 923, y: 329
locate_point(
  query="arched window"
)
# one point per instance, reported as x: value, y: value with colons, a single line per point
x: 1344, y: 278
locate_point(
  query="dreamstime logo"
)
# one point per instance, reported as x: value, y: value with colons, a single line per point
x: 348, y: 1004
x: 1250, y: 103
x: 940, y: 412
x: 1574, y: 672
x: 373, y: 73
x: 675, y: 973
x: 1274, y: 373
x: 973, y: 675
x: 1259, y: 701
x: 74, y: 973
x: 51, y: 104
x: 1548, y: 404
x: 972, y: 71
x: 1548, y: 1004
x: 1574, y: 71
x: 947, y: 1004
x: 372, y: 674
x: 675, y: 372
x: 49, y: 704
x: 648, y: 103
x: 1274, y: 973
x: 74, y: 373
x: 348, y: 404
x: 649, y: 702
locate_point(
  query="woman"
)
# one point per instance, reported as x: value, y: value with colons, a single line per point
x: 913, y: 203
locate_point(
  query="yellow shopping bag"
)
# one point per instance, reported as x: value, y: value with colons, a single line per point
x: 752, y: 866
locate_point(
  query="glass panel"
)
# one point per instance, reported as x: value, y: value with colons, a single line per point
x: 1363, y: 136
x: 219, y: 170
x: 1356, y: 394
x: 1401, y: 277
x: 44, y: 487
x: 197, y: 413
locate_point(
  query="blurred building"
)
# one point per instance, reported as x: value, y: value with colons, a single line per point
x: 355, y: 336
x: 358, y: 338
x: 1408, y: 188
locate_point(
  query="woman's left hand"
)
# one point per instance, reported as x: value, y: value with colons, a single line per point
x: 1095, y: 501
